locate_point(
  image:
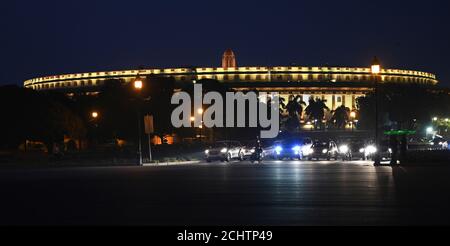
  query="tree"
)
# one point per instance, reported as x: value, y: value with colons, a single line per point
x: 157, y: 96
x: 403, y: 106
x: 295, y: 109
x: 37, y: 116
x: 340, y: 117
x: 316, y: 111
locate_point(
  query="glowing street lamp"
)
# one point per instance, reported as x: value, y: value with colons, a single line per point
x: 435, y: 118
x: 94, y: 114
x: 375, y: 69
x: 429, y: 130
x: 138, y: 84
x: 199, y: 112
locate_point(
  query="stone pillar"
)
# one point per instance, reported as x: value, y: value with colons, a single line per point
x: 333, y: 102
x: 353, y: 102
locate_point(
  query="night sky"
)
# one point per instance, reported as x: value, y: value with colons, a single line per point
x: 51, y: 37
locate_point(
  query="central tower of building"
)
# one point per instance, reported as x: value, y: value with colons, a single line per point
x: 228, y: 59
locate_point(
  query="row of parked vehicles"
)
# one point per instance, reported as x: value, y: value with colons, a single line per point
x: 295, y: 149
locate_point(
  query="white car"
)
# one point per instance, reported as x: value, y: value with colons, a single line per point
x: 225, y: 151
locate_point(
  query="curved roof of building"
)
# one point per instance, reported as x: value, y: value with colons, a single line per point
x: 237, y: 74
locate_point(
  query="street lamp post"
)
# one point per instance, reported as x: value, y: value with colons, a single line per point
x: 94, y: 117
x: 138, y: 86
x: 195, y: 128
x: 376, y: 70
x: 200, y: 112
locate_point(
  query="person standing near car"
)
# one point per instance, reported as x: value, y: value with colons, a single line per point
x: 393, y: 144
x: 258, y: 150
x: 403, y: 149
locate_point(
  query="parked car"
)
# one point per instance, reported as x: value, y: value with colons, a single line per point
x: 270, y: 148
x: 438, y: 142
x: 352, y: 149
x: 249, y: 149
x: 323, y: 150
x: 291, y: 148
x: 383, y: 150
x: 224, y: 151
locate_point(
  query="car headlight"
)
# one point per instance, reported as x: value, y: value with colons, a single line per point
x: 324, y: 151
x: 343, y: 148
x: 307, y: 151
x: 370, y: 149
x: 224, y: 150
x: 361, y: 150
x: 278, y: 149
x: 296, y: 148
x: 207, y: 151
x: 252, y: 151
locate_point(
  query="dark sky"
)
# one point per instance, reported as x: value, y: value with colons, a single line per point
x: 50, y: 37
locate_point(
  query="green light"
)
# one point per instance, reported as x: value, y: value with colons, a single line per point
x: 400, y: 132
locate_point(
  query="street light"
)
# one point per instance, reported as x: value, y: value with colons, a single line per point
x: 375, y: 70
x: 200, y: 112
x: 138, y: 86
x: 94, y: 117
x: 435, y: 118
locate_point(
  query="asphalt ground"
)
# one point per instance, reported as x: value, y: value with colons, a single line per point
x: 236, y: 193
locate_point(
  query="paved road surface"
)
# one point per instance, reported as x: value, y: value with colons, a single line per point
x: 239, y: 193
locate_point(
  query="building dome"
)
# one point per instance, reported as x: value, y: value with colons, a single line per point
x: 228, y: 59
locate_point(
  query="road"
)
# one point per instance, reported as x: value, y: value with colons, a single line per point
x: 238, y: 193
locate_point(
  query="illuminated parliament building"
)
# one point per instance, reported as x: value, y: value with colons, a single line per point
x: 337, y: 85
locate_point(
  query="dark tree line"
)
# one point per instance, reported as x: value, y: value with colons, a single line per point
x: 403, y: 106
x: 36, y: 116
x: 49, y: 116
